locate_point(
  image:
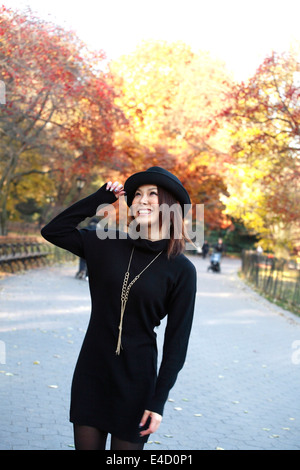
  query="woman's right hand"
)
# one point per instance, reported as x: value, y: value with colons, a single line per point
x: 116, y: 187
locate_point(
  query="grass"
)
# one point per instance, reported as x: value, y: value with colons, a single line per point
x: 285, y: 303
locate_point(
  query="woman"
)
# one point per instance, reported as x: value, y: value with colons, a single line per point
x: 134, y: 283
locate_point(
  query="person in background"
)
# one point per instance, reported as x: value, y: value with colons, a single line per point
x: 205, y: 249
x: 82, y: 272
x: 219, y: 247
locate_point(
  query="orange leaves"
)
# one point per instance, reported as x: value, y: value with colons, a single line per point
x: 264, y: 120
x: 171, y: 97
x: 59, y: 106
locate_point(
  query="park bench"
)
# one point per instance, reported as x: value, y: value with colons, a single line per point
x: 21, y: 253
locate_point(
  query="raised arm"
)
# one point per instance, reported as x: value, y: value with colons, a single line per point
x: 62, y: 230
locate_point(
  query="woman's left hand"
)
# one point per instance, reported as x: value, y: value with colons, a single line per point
x: 154, y: 423
x: 116, y: 187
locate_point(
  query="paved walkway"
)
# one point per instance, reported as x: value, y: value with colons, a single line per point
x: 239, y: 389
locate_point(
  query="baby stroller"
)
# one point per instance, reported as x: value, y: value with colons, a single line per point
x: 215, y: 262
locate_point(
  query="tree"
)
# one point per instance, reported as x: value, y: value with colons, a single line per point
x: 171, y: 97
x: 264, y: 116
x: 58, y: 108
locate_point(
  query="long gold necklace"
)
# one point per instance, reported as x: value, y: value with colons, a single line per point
x: 124, y: 295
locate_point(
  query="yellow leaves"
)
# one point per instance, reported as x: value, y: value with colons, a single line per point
x: 172, y: 86
x: 247, y: 194
x: 262, y: 124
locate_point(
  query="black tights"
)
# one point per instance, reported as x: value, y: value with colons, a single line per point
x: 90, y: 438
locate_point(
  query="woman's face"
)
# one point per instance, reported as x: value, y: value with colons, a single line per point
x: 145, y: 205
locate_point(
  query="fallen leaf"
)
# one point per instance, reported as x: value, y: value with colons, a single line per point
x: 197, y: 414
x: 177, y: 408
x: 36, y: 362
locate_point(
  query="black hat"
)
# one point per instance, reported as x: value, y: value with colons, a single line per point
x: 160, y: 177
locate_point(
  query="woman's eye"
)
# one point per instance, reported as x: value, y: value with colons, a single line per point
x: 152, y: 193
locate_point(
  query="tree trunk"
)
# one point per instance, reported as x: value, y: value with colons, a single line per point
x: 3, y: 217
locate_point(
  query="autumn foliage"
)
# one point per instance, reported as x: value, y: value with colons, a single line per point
x: 264, y: 119
x: 59, y: 112
x: 171, y: 97
x: 235, y: 146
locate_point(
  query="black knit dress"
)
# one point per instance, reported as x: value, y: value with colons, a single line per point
x: 110, y: 391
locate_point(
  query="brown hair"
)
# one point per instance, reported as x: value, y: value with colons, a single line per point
x: 177, y: 236
x: 170, y: 213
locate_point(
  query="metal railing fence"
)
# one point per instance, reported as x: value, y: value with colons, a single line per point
x: 21, y: 253
x: 278, y: 279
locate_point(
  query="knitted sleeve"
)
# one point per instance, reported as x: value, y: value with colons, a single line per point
x: 179, y: 322
x: 62, y: 230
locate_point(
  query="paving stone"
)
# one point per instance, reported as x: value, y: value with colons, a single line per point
x: 239, y: 388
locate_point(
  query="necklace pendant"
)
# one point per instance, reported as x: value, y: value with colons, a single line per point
x: 125, y: 293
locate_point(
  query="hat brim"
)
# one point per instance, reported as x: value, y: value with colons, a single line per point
x: 159, y: 179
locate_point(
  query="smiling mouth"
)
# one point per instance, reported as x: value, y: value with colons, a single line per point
x: 143, y: 212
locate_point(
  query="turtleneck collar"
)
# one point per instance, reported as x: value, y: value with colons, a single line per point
x: 149, y: 245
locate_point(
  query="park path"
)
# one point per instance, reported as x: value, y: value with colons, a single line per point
x: 239, y: 388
